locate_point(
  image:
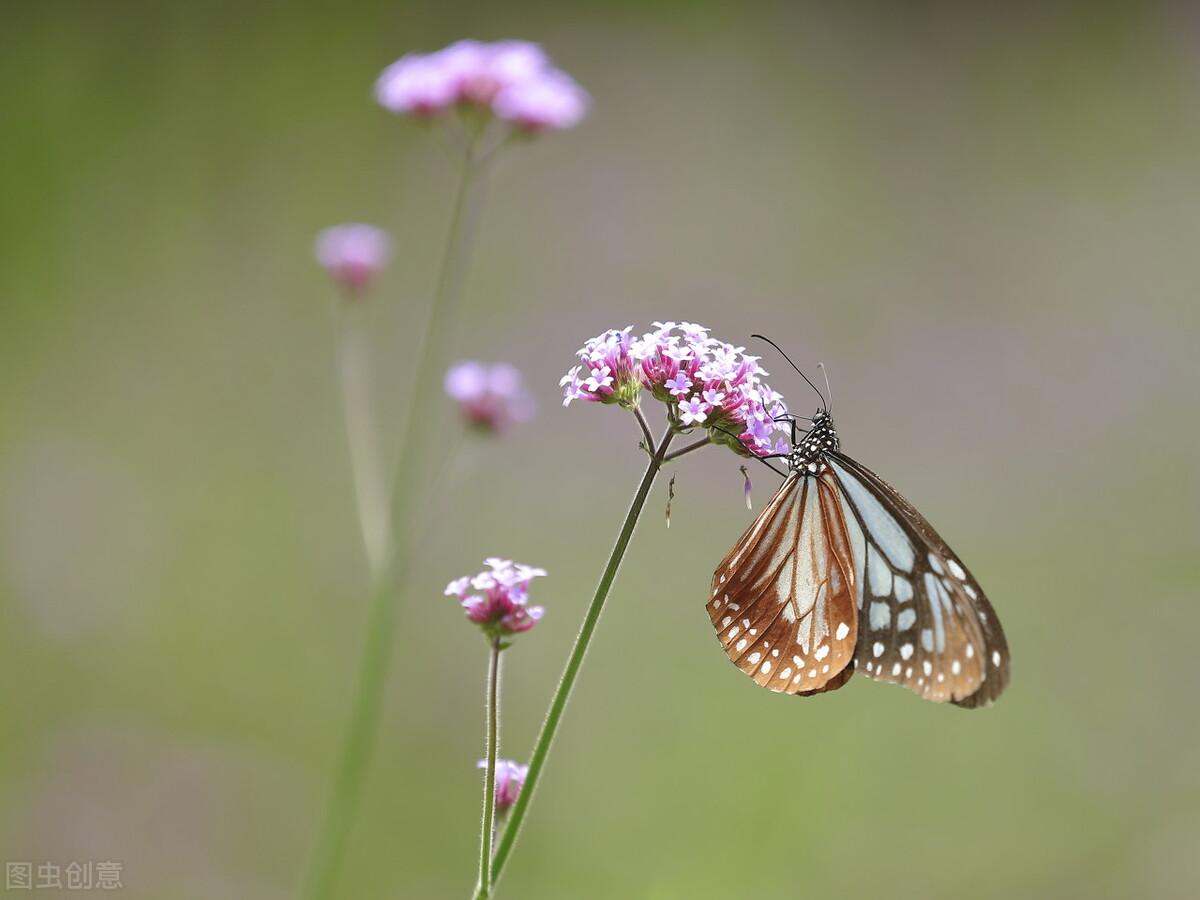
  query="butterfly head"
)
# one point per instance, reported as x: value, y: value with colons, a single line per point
x: 808, y: 456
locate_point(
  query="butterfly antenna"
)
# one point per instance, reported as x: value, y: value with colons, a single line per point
x: 828, y: 389
x: 762, y: 337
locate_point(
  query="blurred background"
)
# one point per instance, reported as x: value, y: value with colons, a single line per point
x: 984, y: 224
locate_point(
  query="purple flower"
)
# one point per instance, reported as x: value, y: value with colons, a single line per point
x: 611, y: 375
x: 510, y: 778
x: 693, y: 411
x: 491, y: 398
x: 513, y: 80
x: 679, y: 386
x: 552, y: 102
x: 701, y: 380
x: 495, y: 599
x: 416, y: 84
x: 353, y: 254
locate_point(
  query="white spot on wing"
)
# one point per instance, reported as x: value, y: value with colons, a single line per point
x: 880, y: 616
x: 842, y: 630
x: 905, y: 619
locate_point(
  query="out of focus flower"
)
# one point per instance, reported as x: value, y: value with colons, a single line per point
x: 513, y: 80
x: 353, y: 254
x: 495, y: 599
x: 510, y: 778
x: 703, y: 381
x: 553, y: 101
x: 491, y: 398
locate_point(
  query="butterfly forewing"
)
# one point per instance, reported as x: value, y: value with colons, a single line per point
x: 924, y: 622
x: 783, y: 600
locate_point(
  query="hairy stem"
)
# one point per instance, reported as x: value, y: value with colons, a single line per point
x: 492, y: 711
x: 645, y: 426
x: 559, y: 701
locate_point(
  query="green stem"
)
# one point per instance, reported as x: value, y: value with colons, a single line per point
x: 359, y: 739
x: 559, y: 702
x: 484, y: 888
x: 433, y: 346
x: 354, y: 371
x: 356, y: 748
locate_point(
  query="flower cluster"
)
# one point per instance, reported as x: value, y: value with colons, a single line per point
x: 513, y: 80
x: 495, y: 599
x: 491, y: 398
x: 353, y: 254
x: 704, y: 382
x: 510, y: 778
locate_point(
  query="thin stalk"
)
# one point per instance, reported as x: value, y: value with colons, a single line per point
x: 647, y: 436
x: 696, y: 445
x: 484, y: 888
x: 433, y: 343
x: 359, y: 738
x: 354, y: 373
x: 559, y: 701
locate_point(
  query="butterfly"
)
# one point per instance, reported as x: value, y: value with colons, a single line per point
x: 839, y: 573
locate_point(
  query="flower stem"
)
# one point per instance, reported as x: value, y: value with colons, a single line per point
x: 696, y: 445
x: 559, y: 701
x: 433, y: 344
x: 354, y: 371
x: 484, y: 888
x: 359, y: 738
x: 645, y: 426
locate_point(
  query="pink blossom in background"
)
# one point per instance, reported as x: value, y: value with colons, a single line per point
x: 552, y: 102
x: 492, y: 398
x: 510, y: 778
x: 495, y: 599
x: 353, y: 254
x: 513, y: 80
x: 703, y: 381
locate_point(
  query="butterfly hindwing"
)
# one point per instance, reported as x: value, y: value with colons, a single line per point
x: 782, y: 601
x: 924, y: 621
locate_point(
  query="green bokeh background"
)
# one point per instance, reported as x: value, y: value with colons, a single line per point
x: 984, y: 224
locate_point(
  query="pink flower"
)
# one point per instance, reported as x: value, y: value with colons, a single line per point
x: 353, y: 254
x: 679, y: 386
x: 416, y: 84
x: 702, y: 381
x: 611, y: 371
x: 495, y: 599
x: 491, y: 398
x: 693, y: 411
x: 513, y: 80
x: 510, y: 778
x: 551, y: 102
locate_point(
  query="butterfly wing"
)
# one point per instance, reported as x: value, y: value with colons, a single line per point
x: 783, y: 599
x: 924, y: 621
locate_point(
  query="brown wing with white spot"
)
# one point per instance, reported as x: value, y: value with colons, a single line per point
x: 782, y: 601
x: 924, y: 621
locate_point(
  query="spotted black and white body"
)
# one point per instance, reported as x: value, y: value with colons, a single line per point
x: 839, y: 573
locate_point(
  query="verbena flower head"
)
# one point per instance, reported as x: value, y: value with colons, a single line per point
x: 353, y: 254
x: 491, y: 398
x: 495, y: 599
x: 513, y: 80
x: 705, y: 383
x: 510, y: 778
